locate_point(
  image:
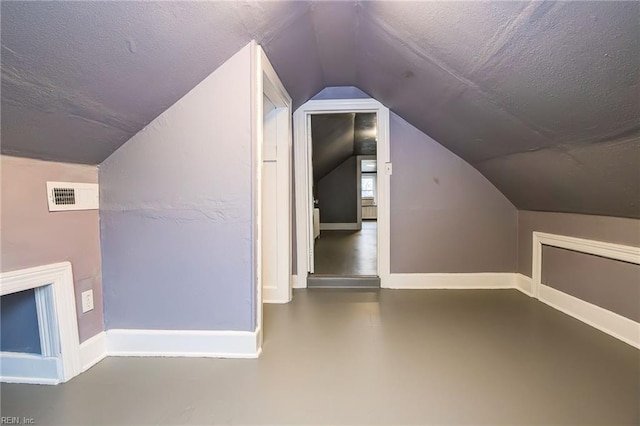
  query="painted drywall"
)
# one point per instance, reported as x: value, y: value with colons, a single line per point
x: 365, y: 134
x: 332, y: 141
x: 340, y: 92
x: 445, y: 216
x: 19, y: 331
x: 541, y: 97
x: 33, y: 236
x: 600, y: 228
x: 607, y: 283
x: 176, y: 213
x: 338, y: 194
x: 71, y: 96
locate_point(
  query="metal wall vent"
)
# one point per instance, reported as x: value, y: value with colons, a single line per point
x: 72, y: 196
x: 64, y: 196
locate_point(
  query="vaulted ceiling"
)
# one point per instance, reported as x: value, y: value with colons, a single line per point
x: 541, y: 97
x: 336, y: 137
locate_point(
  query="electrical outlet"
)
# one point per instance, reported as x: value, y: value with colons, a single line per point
x: 87, y: 301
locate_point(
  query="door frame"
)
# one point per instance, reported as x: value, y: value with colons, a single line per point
x: 303, y: 181
x: 265, y: 82
x: 359, y: 173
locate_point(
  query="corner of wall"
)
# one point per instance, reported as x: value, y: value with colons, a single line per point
x: 176, y: 208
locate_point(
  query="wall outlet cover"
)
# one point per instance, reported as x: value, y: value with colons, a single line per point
x: 87, y: 301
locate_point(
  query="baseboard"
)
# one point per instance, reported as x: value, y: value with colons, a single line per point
x: 604, y: 320
x: 340, y: 226
x: 489, y: 280
x: 93, y: 350
x: 184, y: 343
x: 275, y: 301
x: 337, y: 281
x: 36, y: 369
x: 271, y: 295
x: 523, y: 283
x: 609, y: 322
x: 29, y: 368
x: 298, y: 281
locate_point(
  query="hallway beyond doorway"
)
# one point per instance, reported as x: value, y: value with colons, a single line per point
x: 347, y: 253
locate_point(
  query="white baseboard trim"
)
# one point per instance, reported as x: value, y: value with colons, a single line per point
x: 340, y: 226
x: 29, y: 368
x: 275, y: 300
x: 270, y: 295
x: 489, y: 280
x: 524, y: 284
x: 604, y: 320
x: 298, y: 281
x: 93, y: 350
x: 36, y: 369
x: 184, y: 343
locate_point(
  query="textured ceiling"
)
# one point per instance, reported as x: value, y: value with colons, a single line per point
x: 331, y: 141
x: 337, y: 137
x: 541, y: 97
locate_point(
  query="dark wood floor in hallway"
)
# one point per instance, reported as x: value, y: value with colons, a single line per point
x: 355, y: 357
x: 347, y: 252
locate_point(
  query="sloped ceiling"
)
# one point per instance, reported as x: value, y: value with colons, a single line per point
x: 541, y: 97
x: 336, y: 137
x: 332, y: 140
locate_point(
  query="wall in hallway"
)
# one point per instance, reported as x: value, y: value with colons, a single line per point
x: 445, y: 216
x: 608, y: 283
x: 33, y: 236
x: 176, y: 213
x: 338, y: 194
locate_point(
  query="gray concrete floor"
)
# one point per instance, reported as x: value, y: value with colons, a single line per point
x: 355, y: 357
x: 347, y: 252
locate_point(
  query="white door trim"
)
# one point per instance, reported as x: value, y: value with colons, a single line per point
x: 265, y: 82
x: 302, y: 160
x: 359, y: 159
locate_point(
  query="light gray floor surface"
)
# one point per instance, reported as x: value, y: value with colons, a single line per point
x: 347, y: 252
x: 356, y: 357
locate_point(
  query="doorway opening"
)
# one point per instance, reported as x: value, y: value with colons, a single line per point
x: 342, y: 179
x: 275, y: 190
x: 271, y: 151
x: 344, y: 188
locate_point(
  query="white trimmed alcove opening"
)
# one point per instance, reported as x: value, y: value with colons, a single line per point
x: 59, y: 360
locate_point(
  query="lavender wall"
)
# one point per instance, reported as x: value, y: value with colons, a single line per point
x: 445, y: 216
x: 33, y: 236
x: 176, y: 213
x: 601, y: 228
x: 607, y: 283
